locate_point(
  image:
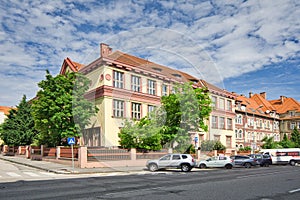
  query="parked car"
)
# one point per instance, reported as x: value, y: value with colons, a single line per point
x: 264, y: 160
x: 185, y: 162
x: 245, y: 161
x: 217, y: 161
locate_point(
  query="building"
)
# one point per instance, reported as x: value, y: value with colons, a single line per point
x: 256, y: 118
x: 122, y: 87
x: 222, y: 118
x: 289, y: 114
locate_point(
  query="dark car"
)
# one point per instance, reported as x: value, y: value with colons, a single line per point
x: 245, y: 161
x: 264, y: 160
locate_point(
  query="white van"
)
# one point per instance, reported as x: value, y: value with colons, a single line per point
x: 283, y: 156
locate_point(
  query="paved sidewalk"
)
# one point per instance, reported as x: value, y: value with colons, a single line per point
x: 65, y: 166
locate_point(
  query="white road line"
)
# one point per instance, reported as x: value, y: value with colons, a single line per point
x: 31, y: 174
x: 293, y: 191
x: 13, y: 174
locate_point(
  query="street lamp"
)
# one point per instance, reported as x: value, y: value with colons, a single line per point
x: 253, y: 135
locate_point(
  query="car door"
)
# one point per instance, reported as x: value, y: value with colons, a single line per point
x: 238, y: 160
x: 220, y: 162
x: 212, y: 162
x: 164, y: 161
x: 175, y: 160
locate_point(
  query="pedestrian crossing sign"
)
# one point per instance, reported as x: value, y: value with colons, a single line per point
x: 71, y: 141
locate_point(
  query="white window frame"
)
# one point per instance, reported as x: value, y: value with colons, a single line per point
x: 135, y: 83
x: 151, y: 87
x: 136, y: 109
x: 118, y: 79
x: 118, y: 108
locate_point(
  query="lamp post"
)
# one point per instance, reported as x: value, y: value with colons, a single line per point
x: 253, y: 135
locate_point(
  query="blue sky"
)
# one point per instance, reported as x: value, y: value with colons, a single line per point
x: 240, y: 46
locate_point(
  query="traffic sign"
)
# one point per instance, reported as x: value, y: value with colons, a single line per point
x: 71, y: 141
x: 196, y: 139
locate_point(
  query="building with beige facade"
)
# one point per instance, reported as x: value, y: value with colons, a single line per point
x: 122, y: 87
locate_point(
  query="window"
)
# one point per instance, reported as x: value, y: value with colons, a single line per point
x: 238, y: 119
x: 217, y: 137
x: 213, y: 102
x: 118, y: 108
x: 164, y: 90
x: 292, y: 113
x: 151, y: 87
x: 222, y: 104
x: 150, y: 108
x: 240, y: 134
x: 118, y: 81
x: 214, y: 122
x: 228, y: 141
x: 292, y: 125
x: 136, y: 110
x: 229, y: 105
x: 222, y: 122
x: 229, y: 123
x: 176, y: 157
x: 135, y: 83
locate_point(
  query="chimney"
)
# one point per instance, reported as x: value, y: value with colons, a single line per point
x: 105, y: 50
x: 282, y: 98
x: 263, y: 95
x: 250, y: 94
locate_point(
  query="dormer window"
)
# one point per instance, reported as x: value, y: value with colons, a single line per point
x: 177, y: 75
x: 157, y: 69
x: 292, y: 113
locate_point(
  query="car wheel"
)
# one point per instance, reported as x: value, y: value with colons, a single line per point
x: 228, y: 166
x: 292, y: 163
x: 185, y: 168
x: 153, y: 167
x: 267, y: 164
x: 202, y: 166
x: 247, y: 165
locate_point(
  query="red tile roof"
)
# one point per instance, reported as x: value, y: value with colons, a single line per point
x: 5, y: 109
x: 74, y: 66
x: 285, y: 104
x: 140, y: 64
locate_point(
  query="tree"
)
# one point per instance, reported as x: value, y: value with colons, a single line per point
x: 169, y: 125
x: 269, y: 143
x: 143, y: 134
x: 60, y: 109
x: 186, y: 110
x: 18, y: 128
x: 286, y: 143
x: 295, y: 137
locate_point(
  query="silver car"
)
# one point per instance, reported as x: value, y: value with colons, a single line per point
x: 185, y: 162
x: 217, y: 161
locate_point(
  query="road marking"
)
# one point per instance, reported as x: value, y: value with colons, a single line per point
x: 13, y: 174
x: 296, y: 190
x: 31, y: 174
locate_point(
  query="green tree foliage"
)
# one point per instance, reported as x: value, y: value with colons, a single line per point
x: 18, y: 128
x: 60, y: 109
x: 143, y: 134
x: 169, y: 125
x: 295, y: 137
x: 207, y: 145
x: 186, y: 110
x: 219, y: 146
x: 269, y: 143
x: 286, y: 143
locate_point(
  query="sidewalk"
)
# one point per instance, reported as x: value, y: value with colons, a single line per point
x: 65, y: 166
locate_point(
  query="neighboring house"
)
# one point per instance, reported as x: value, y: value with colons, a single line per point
x: 256, y: 118
x: 4, y: 110
x: 289, y: 113
x: 122, y: 87
x: 222, y: 118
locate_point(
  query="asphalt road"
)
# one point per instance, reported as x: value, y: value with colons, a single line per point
x: 275, y: 182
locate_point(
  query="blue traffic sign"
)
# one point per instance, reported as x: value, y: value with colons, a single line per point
x: 196, y: 139
x: 71, y: 141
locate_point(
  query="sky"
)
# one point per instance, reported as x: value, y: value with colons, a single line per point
x: 241, y: 46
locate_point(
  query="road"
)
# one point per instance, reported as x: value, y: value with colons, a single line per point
x: 275, y: 182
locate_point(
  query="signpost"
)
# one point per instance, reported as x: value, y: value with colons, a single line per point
x: 71, y: 141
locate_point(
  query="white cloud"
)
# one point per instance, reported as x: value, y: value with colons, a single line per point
x: 219, y: 39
